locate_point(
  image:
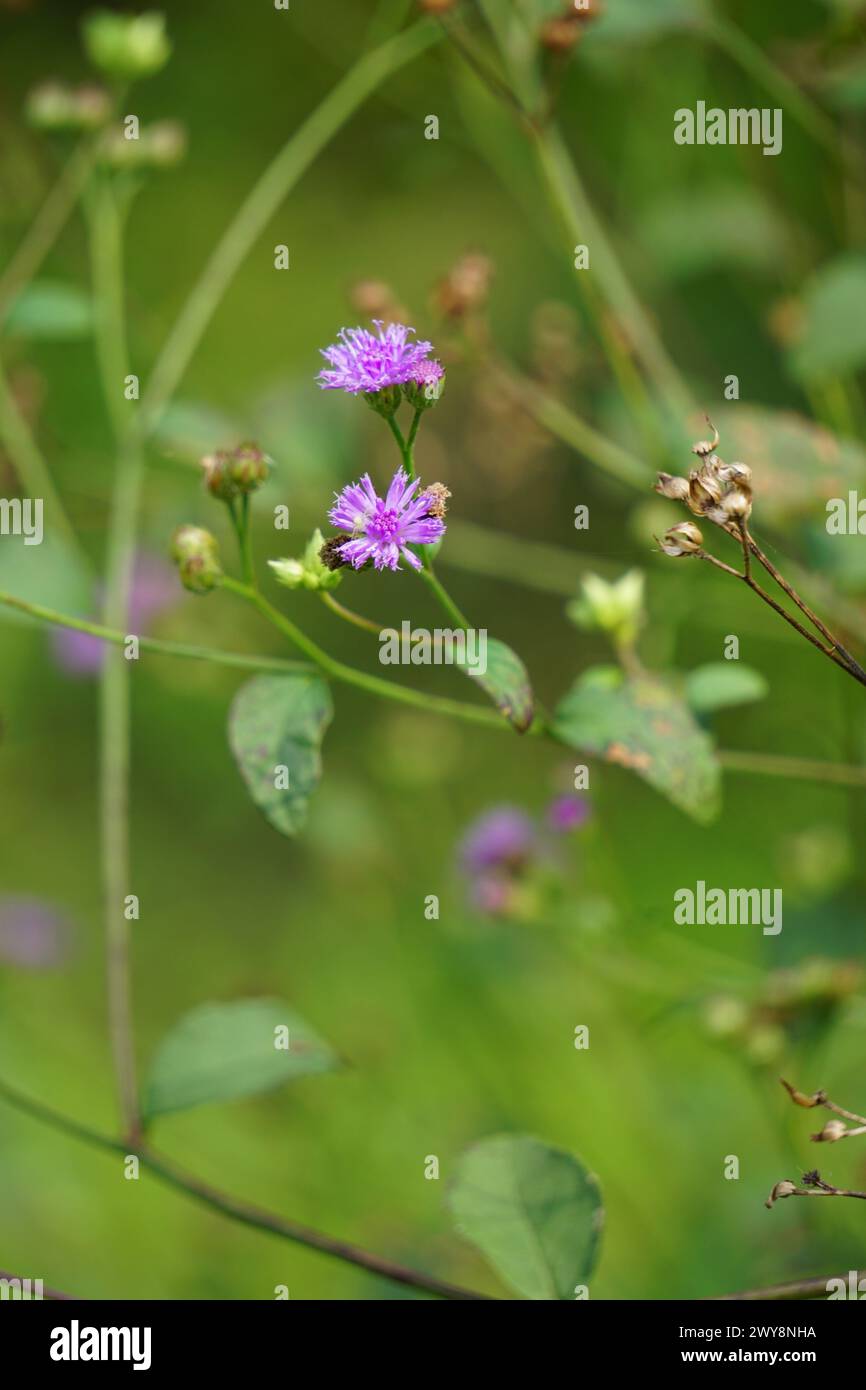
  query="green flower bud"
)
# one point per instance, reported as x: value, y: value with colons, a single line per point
x: 216, y: 476
x: 311, y: 571
x: 421, y: 395
x: 248, y: 467
x: 384, y: 402
x: 196, y: 554
x: 158, y: 146
x: 616, y: 608
x: 54, y: 106
x: 126, y: 46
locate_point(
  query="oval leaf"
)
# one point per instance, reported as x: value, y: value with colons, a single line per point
x: 506, y: 681
x: 720, y: 684
x: 226, y: 1051
x: 276, y: 728
x: 534, y: 1211
x: 643, y: 725
x: 49, y: 310
x: 833, y: 338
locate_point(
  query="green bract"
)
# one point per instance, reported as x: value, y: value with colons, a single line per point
x: 309, y: 572
x: 126, y: 46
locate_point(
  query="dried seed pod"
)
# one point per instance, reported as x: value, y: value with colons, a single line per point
x: 677, y: 489
x: 737, y: 505
x: 705, y: 489
x: 737, y: 474
x: 683, y: 539
x: 832, y: 1131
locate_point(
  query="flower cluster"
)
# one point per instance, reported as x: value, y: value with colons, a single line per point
x: 721, y: 492
x: 504, y: 850
x: 381, y: 529
x: 389, y: 361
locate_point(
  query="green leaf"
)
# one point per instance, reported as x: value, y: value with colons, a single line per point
x: 642, y: 724
x: 723, y: 225
x: 534, y: 1211
x: 832, y: 340
x: 278, y: 722
x: 796, y: 466
x: 721, y: 684
x: 49, y: 310
x: 227, y: 1051
x: 506, y: 681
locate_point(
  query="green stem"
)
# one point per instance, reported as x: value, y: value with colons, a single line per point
x: 47, y: 224
x: 242, y: 1212
x: 348, y: 615
x: 152, y: 644
x: 260, y: 205
x: 410, y: 442
x: 348, y: 675
x: 30, y: 466
x: 801, y: 769
x: 114, y: 738
x: 443, y: 597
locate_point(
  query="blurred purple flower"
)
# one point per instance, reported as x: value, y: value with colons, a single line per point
x: 33, y: 934
x: 367, y: 362
x: 567, y: 813
x: 154, y: 588
x: 383, y: 528
x: 502, y: 838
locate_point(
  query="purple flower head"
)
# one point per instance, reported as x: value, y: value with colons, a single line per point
x: 567, y: 813
x: 368, y: 362
x: 33, y: 933
x: 383, y: 528
x: 503, y: 837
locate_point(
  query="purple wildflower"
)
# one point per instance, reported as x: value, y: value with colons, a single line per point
x: 33, y: 933
x: 368, y: 362
x: 567, y: 813
x: 383, y: 529
x: 502, y: 838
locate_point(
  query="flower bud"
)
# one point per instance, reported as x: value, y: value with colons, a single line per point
x: 465, y: 287
x: 329, y: 554
x: 158, y: 146
x: 560, y: 35
x: 196, y: 554
x: 832, y: 1131
x: 311, y: 571
x: 615, y: 608
x: 53, y: 106
x: 248, y: 467
x: 677, y: 489
x: 216, y: 476
x: 384, y: 402
x: 425, y: 392
x: 683, y: 539
x: 126, y: 46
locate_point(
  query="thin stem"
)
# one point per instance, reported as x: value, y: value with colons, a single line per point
x: 47, y: 224
x: 263, y: 201
x: 30, y: 466
x: 800, y: 769
x: 781, y: 1293
x: 151, y: 644
x: 49, y: 1294
x: 846, y: 656
x: 242, y: 1212
x: 115, y: 695
x: 443, y: 597
x: 410, y: 442
x: 347, y: 614
x: 348, y: 675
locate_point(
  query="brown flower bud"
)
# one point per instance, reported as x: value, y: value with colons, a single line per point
x: 560, y: 35
x: 465, y: 288
x: 216, y: 475
x: 330, y: 552
x: 677, y: 489
x: 436, y: 6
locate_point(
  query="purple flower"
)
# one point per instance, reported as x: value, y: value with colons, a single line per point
x: 33, y: 934
x: 502, y: 838
x: 382, y: 529
x: 567, y: 813
x: 368, y: 362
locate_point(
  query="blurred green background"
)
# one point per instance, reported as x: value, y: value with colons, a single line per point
x: 462, y: 1027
